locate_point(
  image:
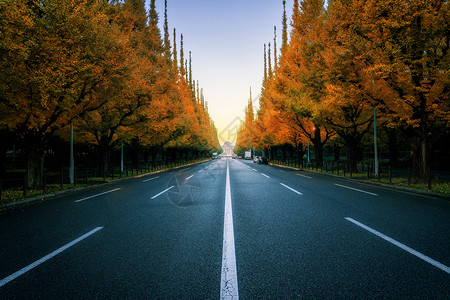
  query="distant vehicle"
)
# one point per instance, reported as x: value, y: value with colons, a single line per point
x: 214, y: 155
x: 248, y: 154
x: 256, y: 159
x: 240, y: 157
x: 263, y: 161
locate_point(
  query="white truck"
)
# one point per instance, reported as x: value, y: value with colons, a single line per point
x: 248, y: 155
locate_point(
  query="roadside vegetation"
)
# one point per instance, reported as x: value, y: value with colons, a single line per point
x: 101, y: 76
x: 356, y: 78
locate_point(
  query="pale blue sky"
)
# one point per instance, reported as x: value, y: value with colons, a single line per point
x: 226, y: 39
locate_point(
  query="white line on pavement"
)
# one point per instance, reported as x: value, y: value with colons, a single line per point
x: 303, y: 176
x: 162, y: 192
x: 47, y: 257
x: 97, y: 195
x: 150, y: 179
x: 402, y: 246
x: 291, y: 189
x: 350, y: 188
x: 228, y: 282
x: 200, y: 171
x: 189, y: 177
x: 254, y: 170
x: 265, y: 175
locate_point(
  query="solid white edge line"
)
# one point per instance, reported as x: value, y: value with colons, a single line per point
x: 47, y: 257
x: 228, y: 282
x: 189, y: 177
x: 402, y: 246
x: 350, y: 188
x: 303, y: 176
x: 157, y: 195
x: 291, y: 189
x: 150, y: 179
x: 265, y: 175
x: 96, y: 195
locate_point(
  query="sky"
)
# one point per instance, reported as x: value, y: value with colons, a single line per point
x: 226, y: 38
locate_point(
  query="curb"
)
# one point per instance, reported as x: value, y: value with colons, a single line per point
x: 44, y: 197
x: 384, y: 185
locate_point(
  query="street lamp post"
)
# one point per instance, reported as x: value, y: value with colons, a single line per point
x: 121, y: 159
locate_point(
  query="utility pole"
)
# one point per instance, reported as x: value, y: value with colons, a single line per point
x: 121, y: 159
x: 72, y: 163
x: 308, y: 151
x: 375, y: 140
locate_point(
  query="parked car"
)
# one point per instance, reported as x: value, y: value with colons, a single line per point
x: 256, y: 159
x: 263, y: 161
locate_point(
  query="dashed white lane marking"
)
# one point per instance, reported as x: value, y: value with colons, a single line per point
x: 402, y: 246
x: 47, y: 257
x: 157, y: 195
x: 303, y: 176
x: 200, y: 171
x: 79, y: 200
x: 189, y: 177
x: 295, y: 191
x: 265, y: 175
x: 361, y: 191
x: 254, y: 170
x: 228, y: 282
x: 150, y: 179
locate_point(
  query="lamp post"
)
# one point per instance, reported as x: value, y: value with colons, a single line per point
x: 308, y: 151
x: 121, y: 159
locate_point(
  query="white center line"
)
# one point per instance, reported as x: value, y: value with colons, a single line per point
x: 265, y: 175
x: 402, y: 246
x: 189, y: 177
x: 97, y: 195
x: 350, y: 188
x: 162, y: 192
x: 150, y: 179
x: 47, y: 257
x: 291, y: 189
x: 303, y: 176
x: 228, y: 282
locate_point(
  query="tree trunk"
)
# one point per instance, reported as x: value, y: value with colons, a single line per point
x: 35, y: 167
x: 353, y: 152
x: 420, y: 158
x: 318, y: 146
x: 392, y: 146
x: 104, y: 152
x: 336, y: 150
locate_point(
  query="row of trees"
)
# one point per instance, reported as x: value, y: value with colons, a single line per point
x: 347, y: 59
x: 104, y: 67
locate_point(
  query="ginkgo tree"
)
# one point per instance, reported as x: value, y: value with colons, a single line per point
x: 54, y: 56
x: 100, y: 65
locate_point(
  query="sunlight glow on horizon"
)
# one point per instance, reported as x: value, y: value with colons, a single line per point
x: 227, y: 44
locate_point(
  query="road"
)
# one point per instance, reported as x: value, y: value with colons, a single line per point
x: 227, y: 229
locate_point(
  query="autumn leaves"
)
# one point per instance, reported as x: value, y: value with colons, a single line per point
x: 348, y: 58
x: 103, y: 66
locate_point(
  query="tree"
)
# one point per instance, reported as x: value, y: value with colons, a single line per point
x: 54, y: 56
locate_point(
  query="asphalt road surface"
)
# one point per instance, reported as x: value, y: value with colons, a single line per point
x: 228, y: 229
